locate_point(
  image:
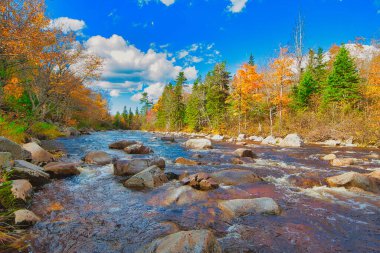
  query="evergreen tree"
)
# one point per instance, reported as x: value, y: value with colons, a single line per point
x: 146, y: 103
x: 343, y: 82
x: 320, y: 70
x: 130, y: 118
x: 251, y: 60
x: 305, y: 89
x: 116, y: 120
x: 194, y: 107
x: 178, y: 105
x: 124, y: 115
x: 164, y: 111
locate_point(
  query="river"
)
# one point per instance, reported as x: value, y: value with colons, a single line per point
x: 94, y: 212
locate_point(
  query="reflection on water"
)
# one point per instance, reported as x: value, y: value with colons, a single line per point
x: 93, y: 212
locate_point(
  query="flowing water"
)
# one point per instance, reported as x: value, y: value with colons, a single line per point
x: 94, y: 212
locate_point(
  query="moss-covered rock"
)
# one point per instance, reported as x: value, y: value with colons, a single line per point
x: 5, y: 160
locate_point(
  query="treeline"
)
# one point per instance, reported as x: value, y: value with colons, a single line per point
x: 44, y: 74
x: 127, y: 119
x: 333, y: 95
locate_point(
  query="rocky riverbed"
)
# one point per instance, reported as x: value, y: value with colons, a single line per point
x: 154, y: 194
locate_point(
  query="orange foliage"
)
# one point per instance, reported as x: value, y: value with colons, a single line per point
x: 13, y: 89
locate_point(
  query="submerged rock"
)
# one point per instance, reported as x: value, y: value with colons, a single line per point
x: 240, y: 207
x: 235, y: 177
x: 243, y: 152
x: 60, y: 169
x: 184, y: 161
x: 368, y: 182
x: 28, y: 171
x: 270, y: 140
x: 39, y: 155
x: 198, y: 144
x: 25, y: 217
x: 5, y: 160
x: 138, y: 149
x: 149, y: 178
x: 338, y: 162
x: 16, y: 150
x: 122, y: 144
x: 98, y: 157
x: 291, y: 140
x: 130, y: 167
x: 194, y: 241
x: 329, y: 157
x: 200, y: 181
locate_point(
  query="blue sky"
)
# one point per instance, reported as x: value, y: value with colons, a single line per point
x: 145, y: 43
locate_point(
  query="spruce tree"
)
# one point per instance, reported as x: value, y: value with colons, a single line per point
x: 343, y: 82
x: 305, y: 89
x: 193, y: 107
x: 251, y: 60
x: 178, y: 105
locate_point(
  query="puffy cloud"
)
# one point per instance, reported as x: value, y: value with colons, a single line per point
x: 237, y: 5
x: 167, y: 2
x: 191, y: 73
x: 154, y: 92
x: 67, y: 24
x: 115, y: 93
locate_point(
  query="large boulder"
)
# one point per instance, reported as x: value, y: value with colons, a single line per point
x: 235, y: 177
x: 240, y: 207
x: 98, y: 157
x: 368, y: 182
x: 130, y: 167
x: 244, y: 152
x: 25, y: 217
x: 138, y: 149
x: 217, y: 137
x: 25, y: 170
x: 198, y: 144
x: 15, y: 194
x: 291, y: 140
x: 184, y: 161
x: 270, y: 140
x: 122, y: 144
x: 5, y: 160
x: 16, y: 150
x: 194, y: 241
x: 39, y: 155
x: 61, y: 169
x: 339, y: 162
x: 149, y: 178
x: 200, y: 181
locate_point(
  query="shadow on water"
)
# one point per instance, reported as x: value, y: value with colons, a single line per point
x: 93, y: 212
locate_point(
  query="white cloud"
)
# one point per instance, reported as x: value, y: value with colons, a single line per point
x: 154, y: 92
x: 167, y: 2
x: 237, y: 5
x: 115, y: 93
x: 183, y: 54
x: 67, y: 24
x: 196, y: 59
x: 191, y: 73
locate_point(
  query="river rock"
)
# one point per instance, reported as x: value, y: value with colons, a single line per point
x: 291, y: 140
x: 256, y: 138
x: 371, y: 156
x: 130, y: 167
x: 122, y: 144
x: 149, y: 178
x: 332, y: 143
x: 25, y: 170
x: 182, y: 195
x: 15, y: 193
x: 71, y: 131
x: 60, y: 169
x: 241, y: 137
x: 39, y: 155
x: 217, y: 137
x: 25, y: 217
x: 184, y: 161
x: 194, y: 241
x: 270, y: 140
x: 138, y: 149
x: 240, y: 207
x: 98, y: 157
x: 338, y: 162
x: 329, y: 157
x: 368, y: 182
x: 198, y: 144
x: 16, y: 150
x: 200, y: 181
x: 168, y: 138
x: 5, y: 160
x: 235, y: 177
x: 244, y: 152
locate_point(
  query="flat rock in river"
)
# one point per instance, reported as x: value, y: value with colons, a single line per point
x: 244, y: 152
x: 240, y: 207
x: 235, y: 177
x: 198, y: 144
x: 368, y: 182
x: 149, y: 178
x: 122, y: 144
x: 28, y: 171
x: 25, y: 217
x: 61, y: 169
x: 98, y: 157
x: 130, y: 167
x: 138, y: 149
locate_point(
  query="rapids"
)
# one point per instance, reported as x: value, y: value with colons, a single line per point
x: 94, y: 212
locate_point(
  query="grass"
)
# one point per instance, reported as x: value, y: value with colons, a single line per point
x: 13, y: 130
x: 43, y: 130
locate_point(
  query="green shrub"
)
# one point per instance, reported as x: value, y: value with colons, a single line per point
x: 43, y: 130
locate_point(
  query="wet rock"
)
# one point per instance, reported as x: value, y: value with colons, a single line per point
x: 198, y: 144
x: 184, y: 161
x: 16, y: 150
x: 243, y: 152
x: 149, y: 178
x: 61, y: 170
x: 237, y: 161
x: 138, y: 149
x: 217, y: 137
x: 197, y: 156
x: 71, y: 131
x: 25, y: 217
x: 15, y: 194
x: 200, y: 181
x: 241, y: 137
x: 235, y: 177
x: 171, y: 176
x: 168, y: 138
x: 368, y: 182
x: 270, y: 140
x: 307, y: 180
x: 329, y: 157
x: 240, y: 207
x: 338, y: 162
x: 182, y: 195
x: 122, y: 144
x: 291, y: 140
x: 98, y: 157
x: 256, y: 138
x: 194, y: 241
x: 373, y: 156
x: 39, y: 155
x: 130, y: 167
x: 5, y: 160
x: 25, y: 170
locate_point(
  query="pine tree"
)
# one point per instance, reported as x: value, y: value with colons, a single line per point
x: 116, y: 120
x: 251, y: 60
x: 130, y: 118
x: 146, y: 103
x: 343, y: 82
x: 193, y: 114
x: 307, y: 87
x: 178, y: 105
